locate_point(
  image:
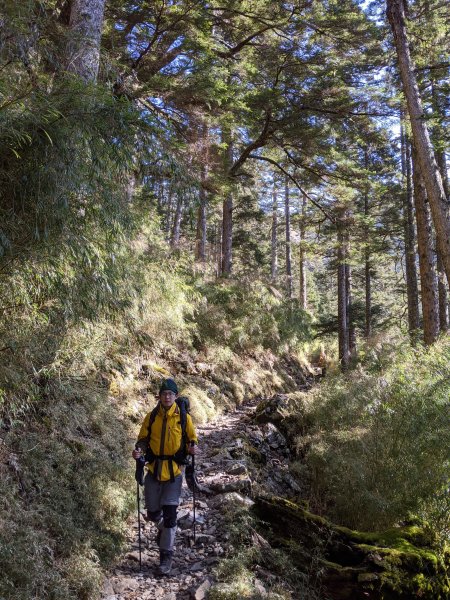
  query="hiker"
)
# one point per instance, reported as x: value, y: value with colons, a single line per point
x: 165, y: 453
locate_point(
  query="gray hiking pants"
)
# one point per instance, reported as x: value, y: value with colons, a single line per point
x: 161, y: 501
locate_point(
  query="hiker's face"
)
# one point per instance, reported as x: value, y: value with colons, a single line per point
x: 167, y: 398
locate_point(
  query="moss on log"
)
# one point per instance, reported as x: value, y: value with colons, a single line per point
x: 399, y: 563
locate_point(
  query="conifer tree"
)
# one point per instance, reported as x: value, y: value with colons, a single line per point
x: 85, y: 30
x: 425, y: 153
x: 287, y: 217
x: 274, y: 237
x: 302, y: 255
x: 427, y: 261
x: 409, y: 234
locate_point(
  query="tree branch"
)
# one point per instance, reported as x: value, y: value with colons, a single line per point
x: 156, y: 109
x: 295, y: 182
x: 235, y: 49
x: 321, y: 175
x: 260, y: 141
x: 346, y: 114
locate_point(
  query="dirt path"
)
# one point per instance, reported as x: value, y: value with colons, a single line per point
x: 223, y: 468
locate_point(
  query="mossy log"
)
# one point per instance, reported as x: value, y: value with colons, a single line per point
x: 399, y: 563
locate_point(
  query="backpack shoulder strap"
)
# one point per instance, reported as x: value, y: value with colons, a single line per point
x: 151, y: 421
x: 183, y: 405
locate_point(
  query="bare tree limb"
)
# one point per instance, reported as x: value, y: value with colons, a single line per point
x: 260, y: 141
x: 295, y: 182
x: 235, y: 49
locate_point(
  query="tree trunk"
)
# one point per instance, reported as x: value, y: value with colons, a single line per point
x: 412, y: 290
x: 442, y: 287
x: 227, y: 235
x: 274, y: 243
x: 83, y: 49
x: 350, y: 320
x: 200, y: 248
x: 367, y: 261
x: 227, y: 210
x: 427, y: 263
x: 442, y: 163
x: 440, y: 209
x: 175, y: 237
x: 302, y: 258
x: 158, y: 190
x: 443, y: 296
x: 287, y: 216
x: 342, y: 299
x: 368, y: 295
x: 439, y: 135
x: 169, y: 210
x: 218, y: 257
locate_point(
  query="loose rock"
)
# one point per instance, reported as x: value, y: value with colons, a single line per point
x: 200, y: 593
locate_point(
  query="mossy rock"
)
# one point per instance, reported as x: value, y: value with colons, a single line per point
x: 287, y: 412
x: 227, y: 591
x: 395, y: 564
x: 254, y: 454
x: 273, y: 410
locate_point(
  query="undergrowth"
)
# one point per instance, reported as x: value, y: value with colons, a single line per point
x: 255, y: 570
x: 64, y: 501
x: 379, y: 435
x: 248, y: 314
x: 73, y: 392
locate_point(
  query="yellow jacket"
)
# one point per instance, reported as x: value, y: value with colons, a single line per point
x: 165, y: 438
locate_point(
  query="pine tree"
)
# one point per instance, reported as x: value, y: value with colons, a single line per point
x: 427, y: 262
x: 85, y: 30
x: 425, y: 153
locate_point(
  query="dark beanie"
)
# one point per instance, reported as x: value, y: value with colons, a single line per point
x: 168, y: 385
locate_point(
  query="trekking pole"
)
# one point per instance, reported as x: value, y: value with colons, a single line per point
x: 193, y: 493
x: 139, y: 524
x: 139, y: 476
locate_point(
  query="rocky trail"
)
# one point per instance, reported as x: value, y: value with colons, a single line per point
x: 245, y: 463
x: 229, y: 478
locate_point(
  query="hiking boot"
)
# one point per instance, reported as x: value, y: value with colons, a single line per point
x: 165, y: 562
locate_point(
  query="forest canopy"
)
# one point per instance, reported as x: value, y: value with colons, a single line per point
x: 268, y: 140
